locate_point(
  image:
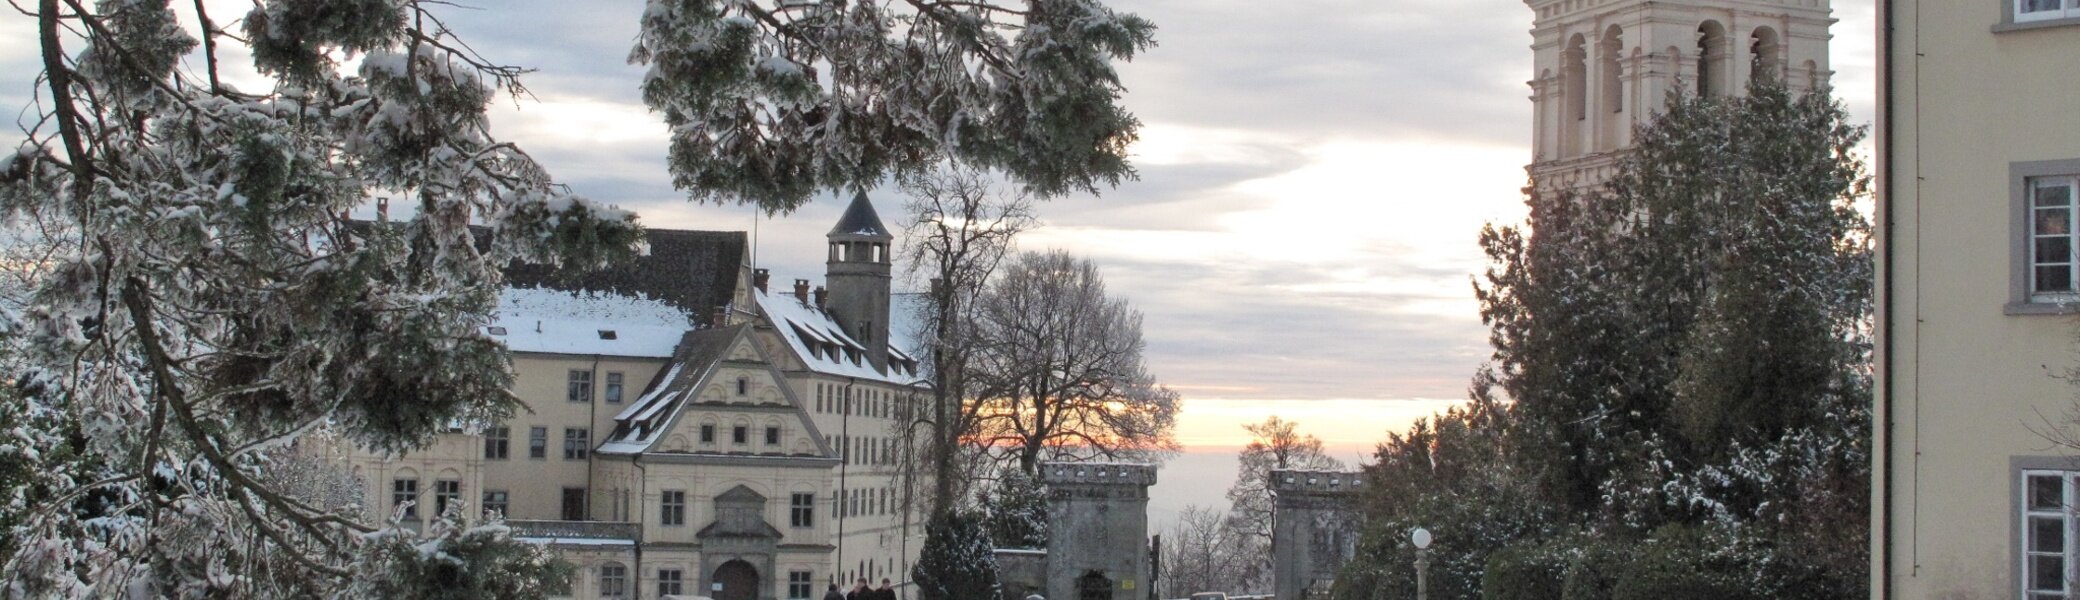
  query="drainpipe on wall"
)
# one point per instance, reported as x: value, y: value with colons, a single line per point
x: 642, y: 491
x: 844, y: 466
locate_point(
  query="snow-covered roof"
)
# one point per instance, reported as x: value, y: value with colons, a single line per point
x: 696, y: 271
x: 819, y: 342
x: 560, y: 322
x: 639, y: 425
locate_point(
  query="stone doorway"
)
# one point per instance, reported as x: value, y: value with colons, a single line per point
x: 1093, y: 586
x: 738, y: 581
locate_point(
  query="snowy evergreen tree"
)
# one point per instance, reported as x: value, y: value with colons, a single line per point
x: 1681, y: 362
x: 772, y: 100
x: 957, y: 562
x: 1015, y: 511
x: 214, y: 305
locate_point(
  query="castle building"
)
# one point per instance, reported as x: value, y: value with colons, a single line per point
x: 1603, y: 67
x: 1976, y: 477
x: 691, y: 432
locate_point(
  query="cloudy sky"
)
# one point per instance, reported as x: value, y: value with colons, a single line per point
x: 1313, y: 174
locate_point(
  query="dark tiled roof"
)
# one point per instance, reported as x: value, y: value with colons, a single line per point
x: 861, y: 220
x: 693, y: 270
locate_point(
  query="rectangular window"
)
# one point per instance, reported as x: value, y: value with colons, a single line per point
x: 740, y: 435
x: 573, y: 504
x: 772, y: 436
x: 405, y: 493
x: 799, y: 585
x: 2047, y: 529
x: 446, y: 493
x: 671, y: 582
x: 580, y: 386
x: 613, y: 387
x: 2042, y: 10
x: 2052, y: 212
x: 801, y: 510
x: 497, y: 442
x: 577, y: 443
x: 707, y: 433
x: 495, y: 502
x: 671, y: 508
x: 537, y: 442
x: 613, y: 580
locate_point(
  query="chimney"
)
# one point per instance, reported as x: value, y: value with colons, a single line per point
x: 759, y: 277
x: 801, y: 290
x: 820, y: 296
x: 721, y: 316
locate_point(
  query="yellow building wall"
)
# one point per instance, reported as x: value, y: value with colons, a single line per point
x: 1968, y: 381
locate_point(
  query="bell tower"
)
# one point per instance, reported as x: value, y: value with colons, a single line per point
x: 1601, y: 67
x: 858, y: 274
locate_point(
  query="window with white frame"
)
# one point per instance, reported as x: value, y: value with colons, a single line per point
x: 446, y: 493
x: 577, y: 443
x: 800, y: 584
x: 495, y: 502
x: 579, y: 386
x: 2052, y: 264
x: 801, y: 510
x: 613, y: 387
x: 2041, y: 10
x: 2047, y: 532
x: 671, y: 582
x: 672, y: 508
x: 405, y: 493
x: 613, y: 580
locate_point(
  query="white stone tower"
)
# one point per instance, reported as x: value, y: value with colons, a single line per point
x: 858, y: 274
x: 1603, y: 66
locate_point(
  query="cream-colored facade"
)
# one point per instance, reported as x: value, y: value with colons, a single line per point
x: 667, y: 450
x: 1978, y: 149
x: 1603, y: 67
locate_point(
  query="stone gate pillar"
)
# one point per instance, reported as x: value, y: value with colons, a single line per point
x: 1314, y: 530
x: 1097, y: 530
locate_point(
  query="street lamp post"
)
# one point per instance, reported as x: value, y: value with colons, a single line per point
x: 1421, y: 537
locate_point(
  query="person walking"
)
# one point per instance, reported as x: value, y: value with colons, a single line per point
x: 886, y: 592
x: 860, y: 591
x: 834, y: 594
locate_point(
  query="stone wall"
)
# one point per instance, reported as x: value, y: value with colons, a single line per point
x: 1097, y: 530
x: 1314, y: 530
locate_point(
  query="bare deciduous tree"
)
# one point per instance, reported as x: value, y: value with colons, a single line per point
x: 960, y: 229
x: 1274, y: 444
x: 1204, y: 552
x: 1057, y: 369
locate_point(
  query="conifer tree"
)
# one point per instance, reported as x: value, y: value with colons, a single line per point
x: 957, y: 561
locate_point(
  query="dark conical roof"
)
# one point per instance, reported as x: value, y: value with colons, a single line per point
x: 860, y: 220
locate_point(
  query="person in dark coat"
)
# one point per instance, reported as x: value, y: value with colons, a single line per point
x: 834, y: 594
x: 886, y: 592
x: 860, y: 591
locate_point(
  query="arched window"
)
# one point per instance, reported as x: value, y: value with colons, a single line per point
x: 1608, y: 51
x: 1711, y: 59
x: 1763, y: 50
x: 1576, y: 70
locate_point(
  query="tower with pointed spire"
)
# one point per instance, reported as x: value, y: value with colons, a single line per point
x: 857, y: 272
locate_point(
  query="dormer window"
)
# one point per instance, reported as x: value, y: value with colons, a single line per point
x: 496, y: 330
x: 607, y: 334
